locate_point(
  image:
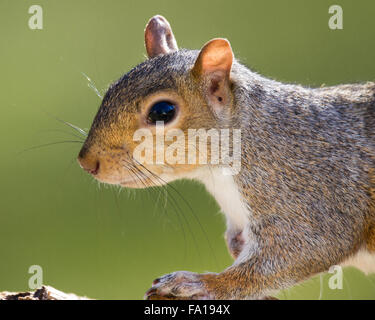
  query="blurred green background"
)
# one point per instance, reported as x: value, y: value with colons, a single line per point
x: 102, y: 242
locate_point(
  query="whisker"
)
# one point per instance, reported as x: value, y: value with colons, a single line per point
x: 189, y: 206
x: 62, y: 131
x: 49, y: 144
x: 81, y: 131
x: 91, y: 85
x: 177, y: 205
x: 174, y: 205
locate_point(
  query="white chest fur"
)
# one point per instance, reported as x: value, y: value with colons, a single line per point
x: 226, y: 193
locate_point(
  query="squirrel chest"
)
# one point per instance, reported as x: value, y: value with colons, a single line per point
x: 225, y: 191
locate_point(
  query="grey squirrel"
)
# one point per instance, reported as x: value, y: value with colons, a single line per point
x: 304, y: 199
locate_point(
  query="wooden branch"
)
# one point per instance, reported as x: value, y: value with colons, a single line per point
x: 50, y: 293
x: 44, y: 293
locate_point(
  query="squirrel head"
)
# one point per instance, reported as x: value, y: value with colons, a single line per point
x: 181, y: 89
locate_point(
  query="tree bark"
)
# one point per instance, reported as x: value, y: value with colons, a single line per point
x: 43, y: 293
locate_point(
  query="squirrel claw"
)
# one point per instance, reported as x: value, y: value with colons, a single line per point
x: 180, y: 285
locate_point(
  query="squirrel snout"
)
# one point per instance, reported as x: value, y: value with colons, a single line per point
x: 89, y: 163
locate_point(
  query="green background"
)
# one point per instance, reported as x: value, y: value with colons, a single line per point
x: 105, y: 243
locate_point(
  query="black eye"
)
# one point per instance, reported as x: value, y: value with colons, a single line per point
x: 161, y: 111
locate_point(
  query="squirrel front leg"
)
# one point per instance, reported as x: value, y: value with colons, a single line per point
x: 277, y: 254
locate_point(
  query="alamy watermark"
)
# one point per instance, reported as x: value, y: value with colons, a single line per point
x: 36, y: 280
x: 336, y: 21
x: 336, y: 280
x: 36, y: 20
x: 220, y: 147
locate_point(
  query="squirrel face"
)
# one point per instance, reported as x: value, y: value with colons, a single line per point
x: 183, y: 89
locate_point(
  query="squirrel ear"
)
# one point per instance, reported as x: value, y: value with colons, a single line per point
x: 215, y: 56
x: 159, y: 38
x: 213, y: 66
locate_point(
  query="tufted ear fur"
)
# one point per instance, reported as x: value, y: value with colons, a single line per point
x: 213, y: 67
x: 159, y: 38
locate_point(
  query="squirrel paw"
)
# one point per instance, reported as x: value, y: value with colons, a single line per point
x: 180, y: 285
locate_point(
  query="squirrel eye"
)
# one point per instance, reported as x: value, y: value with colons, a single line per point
x: 161, y: 111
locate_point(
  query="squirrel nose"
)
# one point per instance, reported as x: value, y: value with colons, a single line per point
x: 89, y: 163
